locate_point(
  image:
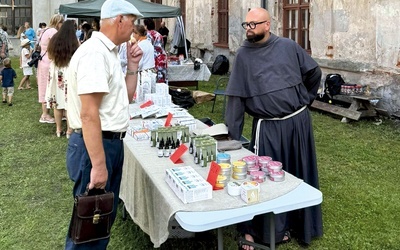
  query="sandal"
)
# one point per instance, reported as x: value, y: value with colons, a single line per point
x: 47, y: 119
x: 244, y: 243
x: 20, y: 88
x: 60, y: 133
x: 286, y: 238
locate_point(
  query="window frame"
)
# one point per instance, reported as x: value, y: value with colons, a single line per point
x: 223, y: 24
x: 300, y: 6
x: 14, y: 19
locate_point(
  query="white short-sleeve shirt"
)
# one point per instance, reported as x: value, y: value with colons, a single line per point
x: 147, y: 61
x: 95, y: 68
x: 24, y: 60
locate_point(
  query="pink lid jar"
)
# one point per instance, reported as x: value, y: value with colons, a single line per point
x: 277, y: 176
x: 258, y: 176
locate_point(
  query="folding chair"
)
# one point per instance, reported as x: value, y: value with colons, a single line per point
x: 220, y: 86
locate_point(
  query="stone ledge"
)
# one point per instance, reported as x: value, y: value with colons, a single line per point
x: 357, y: 67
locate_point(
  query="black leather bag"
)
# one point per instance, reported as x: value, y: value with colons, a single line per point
x: 91, y: 217
x: 181, y: 97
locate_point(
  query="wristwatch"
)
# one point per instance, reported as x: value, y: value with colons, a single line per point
x: 132, y: 72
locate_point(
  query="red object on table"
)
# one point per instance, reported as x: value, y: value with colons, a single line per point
x: 215, y: 169
x: 176, y: 156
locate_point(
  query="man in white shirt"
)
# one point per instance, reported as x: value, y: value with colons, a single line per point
x: 98, y: 98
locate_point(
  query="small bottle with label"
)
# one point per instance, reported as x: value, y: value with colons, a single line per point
x: 191, y: 148
x: 205, y: 161
x: 160, y: 152
x: 201, y: 159
x: 167, y: 148
x: 173, y: 148
x: 196, y: 158
x: 158, y: 142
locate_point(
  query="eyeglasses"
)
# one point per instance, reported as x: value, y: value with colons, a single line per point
x: 252, y: 25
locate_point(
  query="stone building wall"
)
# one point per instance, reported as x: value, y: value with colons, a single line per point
x: 362, y: 33
x: 366, y: 45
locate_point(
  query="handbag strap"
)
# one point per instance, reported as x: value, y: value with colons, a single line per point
x: 40, y: 39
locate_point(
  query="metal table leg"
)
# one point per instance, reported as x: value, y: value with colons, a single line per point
x: 220, y: 238
x: 272, y: 230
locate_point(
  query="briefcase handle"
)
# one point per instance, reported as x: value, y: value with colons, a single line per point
x: 94, y: 191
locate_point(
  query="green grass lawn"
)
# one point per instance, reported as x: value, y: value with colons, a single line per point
x: 358, y: 169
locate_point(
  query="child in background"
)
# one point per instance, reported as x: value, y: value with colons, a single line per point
x: 26, y: 53
x: 7, y: 76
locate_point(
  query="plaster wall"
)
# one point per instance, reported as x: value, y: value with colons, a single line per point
x: 202, y: 26
x: 42, y: 11
x: 366, y: 48
x: 363, y: 34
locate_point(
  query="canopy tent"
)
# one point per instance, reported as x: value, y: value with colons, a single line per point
x: 91, y: 8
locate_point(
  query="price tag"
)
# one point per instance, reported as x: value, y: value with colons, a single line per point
x: 146, y: 104
x: 168, y: 120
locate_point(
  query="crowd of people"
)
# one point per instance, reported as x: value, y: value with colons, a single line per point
x: 152, y: 42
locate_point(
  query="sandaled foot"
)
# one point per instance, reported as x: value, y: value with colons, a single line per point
x: 286, y: 238
x: 20, y: 88
x: 60, y: 133
x: 48, y: 119
x: 250, y: 238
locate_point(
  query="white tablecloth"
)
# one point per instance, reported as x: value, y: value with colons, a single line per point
x: 150, y: 201
x: 186, y: 72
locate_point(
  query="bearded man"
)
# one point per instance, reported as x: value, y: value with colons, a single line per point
x: 274, y: 80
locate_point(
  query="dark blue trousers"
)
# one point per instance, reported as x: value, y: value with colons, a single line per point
x: 79, y: 167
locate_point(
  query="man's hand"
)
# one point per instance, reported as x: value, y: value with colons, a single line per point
x: 98, y: 178
x: 134, y: 54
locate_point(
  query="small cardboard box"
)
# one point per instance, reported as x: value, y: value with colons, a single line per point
x: 188, y: 185
x: 250, y: 191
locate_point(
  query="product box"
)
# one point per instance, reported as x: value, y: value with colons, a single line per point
x: 188, y: 185
x: 138, y: 133
x: 250, y: 191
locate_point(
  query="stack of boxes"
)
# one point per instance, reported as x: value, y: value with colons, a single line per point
x: 161, y: 97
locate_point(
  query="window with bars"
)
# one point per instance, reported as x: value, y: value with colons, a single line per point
x: 296, y: 21
x: 223, y: 23
x: 14, y: 13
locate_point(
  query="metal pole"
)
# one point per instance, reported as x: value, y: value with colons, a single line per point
x: 272, y: 230
x: 220, y: 239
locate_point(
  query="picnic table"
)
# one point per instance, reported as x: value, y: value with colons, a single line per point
x: 360, y: 106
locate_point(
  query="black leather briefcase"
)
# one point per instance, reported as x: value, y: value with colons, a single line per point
x: 91, y: 217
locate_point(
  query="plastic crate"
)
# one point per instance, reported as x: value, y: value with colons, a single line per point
x: 176, y: 231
